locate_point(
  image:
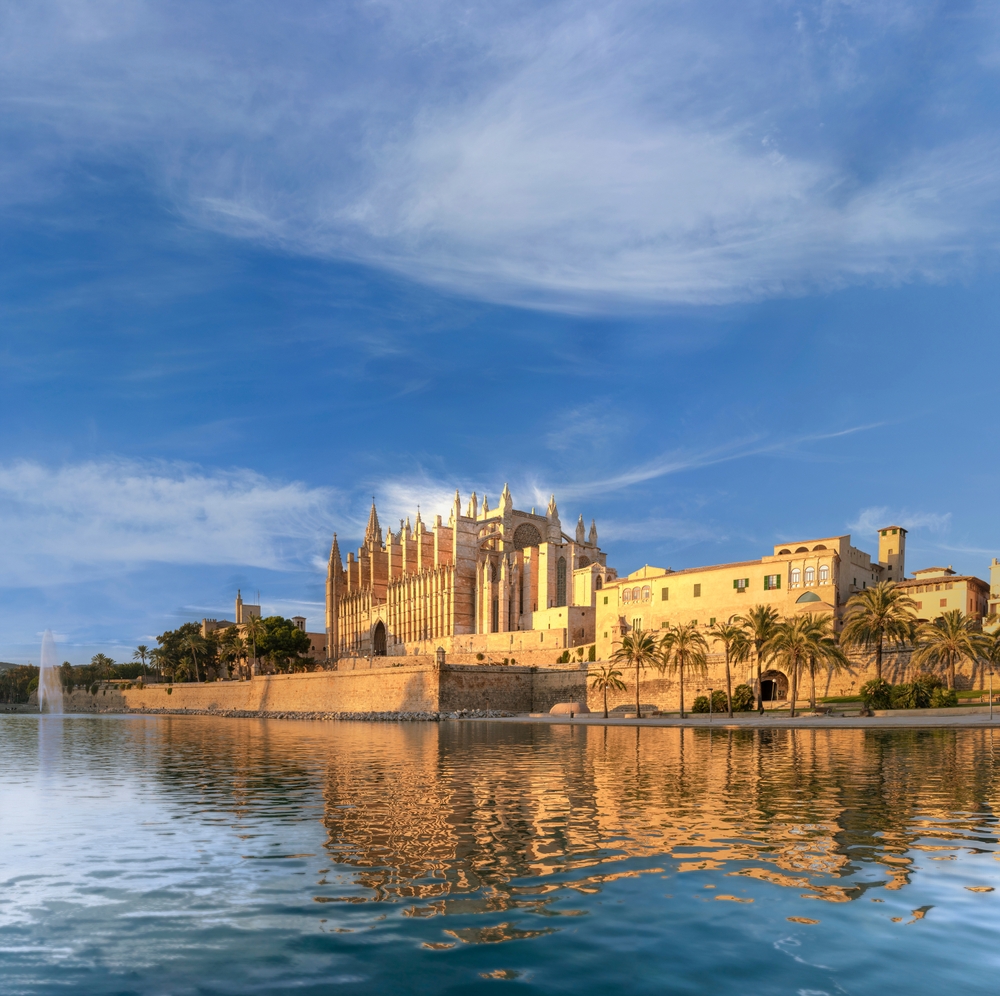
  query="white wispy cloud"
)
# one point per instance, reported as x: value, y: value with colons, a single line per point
x: 570, y: 156
x: 88, y: 519
x: 870, y: 520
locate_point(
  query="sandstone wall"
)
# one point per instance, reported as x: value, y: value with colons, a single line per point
x: 405, y: 689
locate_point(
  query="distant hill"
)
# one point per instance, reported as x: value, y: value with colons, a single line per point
x: 4, y: 665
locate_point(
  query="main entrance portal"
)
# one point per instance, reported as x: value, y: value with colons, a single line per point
x: 378, y: 639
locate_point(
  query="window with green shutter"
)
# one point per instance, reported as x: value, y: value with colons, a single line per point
x: 664, y: 594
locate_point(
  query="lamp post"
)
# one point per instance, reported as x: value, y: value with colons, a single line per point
x: 710, y: 705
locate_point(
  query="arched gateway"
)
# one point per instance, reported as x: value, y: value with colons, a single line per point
x: 378, y: 639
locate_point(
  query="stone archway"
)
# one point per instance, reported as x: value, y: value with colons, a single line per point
x: 379, y: 640
x: 773, y: 686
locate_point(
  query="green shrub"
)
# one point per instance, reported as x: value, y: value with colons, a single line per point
x: 93, y: 688
x: 700, y: 704
x: 743, y: 699
x: 563, y: 658
x: 592, y: 653
x: 170, y: 690
x: 904, y: 696
x: 877, y: 694
x: 480, y: 657
x: 942, y: 697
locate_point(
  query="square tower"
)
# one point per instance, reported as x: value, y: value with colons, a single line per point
x: 892, y: 552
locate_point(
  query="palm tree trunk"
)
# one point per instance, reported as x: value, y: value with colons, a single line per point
x: 878, y: 657
x: 951, y: 673
x: 605, y: 700
x: 638, y: 707
x: 680, y: 675
x: 760, y: 697
x: 729, y: 687
x: 795, y: 687
x: 812, y: 684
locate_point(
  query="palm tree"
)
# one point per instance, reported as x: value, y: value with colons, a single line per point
x: 103, y: 665
x: 254, y: 630
x: 759, y: 624
x: 231, y: 646
x: 947, y: 641
x: 876, y: 614
x: 638, y: 650
x: 790, y: 645
x: 607, y: 678
x: 734, y: 640
x: 141, y: 654
x: 683, y: 646
x: 194, y: 642
x: 823, y: 649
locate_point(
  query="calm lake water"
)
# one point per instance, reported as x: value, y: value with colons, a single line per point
x: 196, y: 855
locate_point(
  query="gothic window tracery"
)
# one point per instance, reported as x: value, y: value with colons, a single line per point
x: 526, y: 535
x: 561, y: 581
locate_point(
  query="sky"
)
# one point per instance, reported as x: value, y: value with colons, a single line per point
x: 718, y: 275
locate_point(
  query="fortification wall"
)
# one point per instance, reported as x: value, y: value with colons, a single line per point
x: 405, y: 689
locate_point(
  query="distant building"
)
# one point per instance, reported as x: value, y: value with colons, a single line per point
x: 937, y: 590
x: 817, y: 575
x: 245, y: 611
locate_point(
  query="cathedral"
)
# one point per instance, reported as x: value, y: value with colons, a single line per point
x: 488, y: 581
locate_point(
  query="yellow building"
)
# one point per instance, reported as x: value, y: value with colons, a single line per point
x: 937, y: 590
x: 817, y: 575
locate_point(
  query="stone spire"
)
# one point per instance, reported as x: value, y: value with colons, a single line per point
x: 335, y: 561
x: 592, y: 538
x: 581, y: 530
x: 486, y: 504
x: 473, y: 506
x: 506, y: 501
x: 373, y: 534
x: 456, y: 510
x: 555, y: 526
x: 418, y: 525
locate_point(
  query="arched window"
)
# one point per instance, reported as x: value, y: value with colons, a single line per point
x: 646, y: 593
x: 810, y: 575
x: 561, y: 581
x: 796, y: 577
x: 584, y: 562
x: 824, y: 574
x: 627, y: 595
x: 635, y: 594
x: 780, y: 552
x: 598, y: 584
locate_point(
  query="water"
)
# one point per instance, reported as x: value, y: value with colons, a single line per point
x: 196, y: 855
x: 50, y: 694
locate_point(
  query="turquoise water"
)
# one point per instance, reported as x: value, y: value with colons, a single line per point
x: 196, y: 855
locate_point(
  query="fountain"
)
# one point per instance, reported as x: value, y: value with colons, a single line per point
x: 50, y: 693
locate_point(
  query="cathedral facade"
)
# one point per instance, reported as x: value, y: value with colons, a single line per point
x: 487, y: 580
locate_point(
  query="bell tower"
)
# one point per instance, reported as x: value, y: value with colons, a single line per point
x: 892, y: 552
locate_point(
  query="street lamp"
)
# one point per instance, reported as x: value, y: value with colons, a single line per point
x: 710, y: 705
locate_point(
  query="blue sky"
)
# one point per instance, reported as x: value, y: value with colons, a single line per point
x: 717, y: 274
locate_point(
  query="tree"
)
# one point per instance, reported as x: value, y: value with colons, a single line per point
x: 639, y: 650
x: 194, y: 643
x: 683, y: 646
x: 877, y: 614
x: 607, y: 678
x: 232, y: 649
x: 141, y: 655
x: 790, y: 646
x: 104, y: 666
x: 734, y: 641
x: 284, y: 644
x: 947, y: 641
x: 823, y: 650
x: 254, y: 632
x: 759, y: 624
